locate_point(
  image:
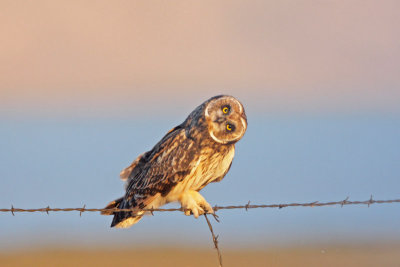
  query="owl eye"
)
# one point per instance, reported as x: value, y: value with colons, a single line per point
x: 226, y: 109
x: 230, y: 127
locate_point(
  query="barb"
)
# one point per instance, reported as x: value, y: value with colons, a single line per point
x: 215, y: 240
x: 82, y: 210
x: 246, y: 207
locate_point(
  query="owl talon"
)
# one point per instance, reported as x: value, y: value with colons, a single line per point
x: 195, y: 211
x: 207, y: 207
x: 193, y: 203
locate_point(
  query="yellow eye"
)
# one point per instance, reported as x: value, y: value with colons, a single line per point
x: 229, y: 127
x: 225, y: 110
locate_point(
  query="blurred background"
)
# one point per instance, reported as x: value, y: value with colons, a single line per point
x: 87, y: 86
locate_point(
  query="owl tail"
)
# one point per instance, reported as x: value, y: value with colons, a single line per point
x: 122, y: 219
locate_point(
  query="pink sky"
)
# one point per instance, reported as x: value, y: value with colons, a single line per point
x: 114, y: 57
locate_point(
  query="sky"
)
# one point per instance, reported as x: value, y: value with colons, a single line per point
x: 86, y: 87
x: 110, y: 59
x: 64, y: 164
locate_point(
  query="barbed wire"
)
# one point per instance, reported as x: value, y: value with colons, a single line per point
x: 214, y: 238
x: 247, y: 206
x: 216, y: 208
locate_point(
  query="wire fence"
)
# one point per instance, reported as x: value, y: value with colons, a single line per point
x: 216, y: 208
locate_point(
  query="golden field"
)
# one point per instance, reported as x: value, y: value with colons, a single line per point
x: 385, y: 255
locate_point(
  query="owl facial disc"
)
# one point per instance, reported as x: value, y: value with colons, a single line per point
x: 226, y: 119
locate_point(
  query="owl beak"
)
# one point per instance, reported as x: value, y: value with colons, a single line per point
x: 219, y: 120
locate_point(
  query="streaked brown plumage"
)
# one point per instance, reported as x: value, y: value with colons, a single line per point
x: 190, y: 156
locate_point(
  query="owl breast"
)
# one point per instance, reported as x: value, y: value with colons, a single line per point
x: 213, y: 164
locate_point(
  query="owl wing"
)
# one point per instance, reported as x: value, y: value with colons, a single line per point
x: 136, y: 166
x: 156, y: 172
x: 125, y: 173
x: 161, y: 168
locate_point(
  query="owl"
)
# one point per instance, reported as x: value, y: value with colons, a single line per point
x: 193, y: 154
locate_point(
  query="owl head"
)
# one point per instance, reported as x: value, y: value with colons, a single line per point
x: 225, y: 118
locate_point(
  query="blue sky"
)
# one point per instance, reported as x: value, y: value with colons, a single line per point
x: 281, y: 159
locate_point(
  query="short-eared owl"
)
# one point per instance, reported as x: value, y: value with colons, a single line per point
x: 190, y: 156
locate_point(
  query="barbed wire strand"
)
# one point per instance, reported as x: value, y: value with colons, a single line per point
x: 248, y: 206
x: 215, y: 240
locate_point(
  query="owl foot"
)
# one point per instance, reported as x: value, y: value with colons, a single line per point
x: 194, y: 203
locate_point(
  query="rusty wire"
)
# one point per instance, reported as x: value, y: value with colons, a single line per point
x: 215, y: 239
x: 246, y: 207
